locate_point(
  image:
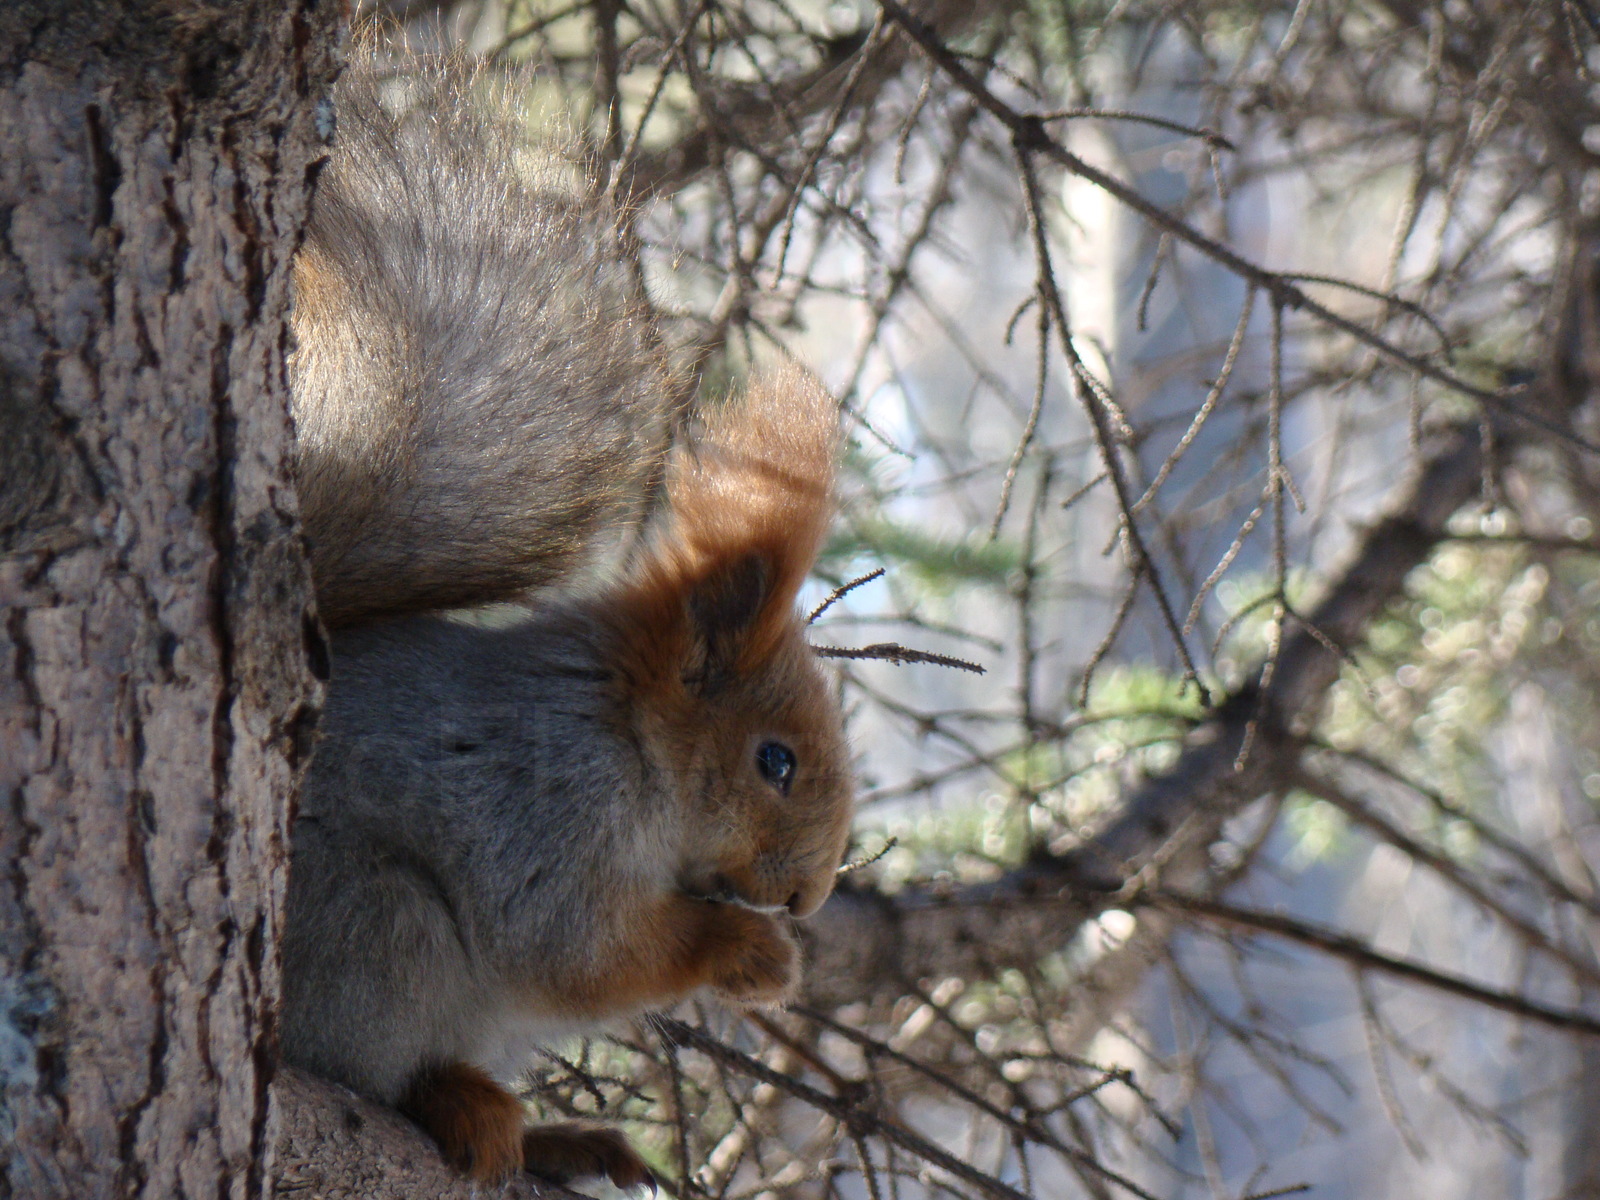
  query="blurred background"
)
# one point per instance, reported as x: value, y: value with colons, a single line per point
x: 1222, y: 472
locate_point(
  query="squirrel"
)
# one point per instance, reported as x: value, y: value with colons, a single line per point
x: 515, y: 830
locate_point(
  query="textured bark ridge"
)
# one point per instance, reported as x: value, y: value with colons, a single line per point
x: 157, y: 643
x: 336, y: 1146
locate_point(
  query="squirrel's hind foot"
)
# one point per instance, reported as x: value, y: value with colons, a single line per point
x: 482, y: 1131
x: 574, y: 1150
x: 477, y: 1123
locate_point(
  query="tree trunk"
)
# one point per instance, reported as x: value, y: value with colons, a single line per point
x: 158, y: 645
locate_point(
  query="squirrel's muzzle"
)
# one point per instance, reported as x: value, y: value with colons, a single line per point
x: 768, y: 885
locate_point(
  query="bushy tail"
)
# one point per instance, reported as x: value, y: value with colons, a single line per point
x: 480, y: 406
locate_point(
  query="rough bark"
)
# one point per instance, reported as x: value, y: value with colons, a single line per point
x: 156, y: 633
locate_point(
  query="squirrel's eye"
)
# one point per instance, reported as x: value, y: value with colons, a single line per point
x: 776, y: 762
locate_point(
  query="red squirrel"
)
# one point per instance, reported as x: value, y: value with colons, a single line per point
x: 517, y: 829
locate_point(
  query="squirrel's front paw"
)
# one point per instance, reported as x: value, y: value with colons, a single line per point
x: 761, y: 962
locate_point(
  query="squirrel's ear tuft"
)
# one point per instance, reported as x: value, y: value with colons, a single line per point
x: 749, y: 498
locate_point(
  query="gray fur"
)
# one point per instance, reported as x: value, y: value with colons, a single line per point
x: 489, y: 815
x: 477, y: 807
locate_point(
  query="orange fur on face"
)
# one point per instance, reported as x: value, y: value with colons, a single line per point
x: 710, y: 660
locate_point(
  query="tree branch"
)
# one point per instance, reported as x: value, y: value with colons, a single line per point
x: 334, y: 1145
x: 1353, y: 950
x: 864, y: 1121
x: 864, y: 943
x: 1028, y: 132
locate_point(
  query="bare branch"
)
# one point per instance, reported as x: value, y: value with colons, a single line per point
x: 863, y: 943
x: 1357, y: 952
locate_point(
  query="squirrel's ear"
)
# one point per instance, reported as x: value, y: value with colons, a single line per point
x: 749, y: 497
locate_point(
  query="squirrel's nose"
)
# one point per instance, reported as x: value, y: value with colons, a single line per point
x: 807, y: 898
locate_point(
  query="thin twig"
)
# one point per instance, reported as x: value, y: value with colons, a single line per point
x: 899, y: 655
x: 843, y: 590
x: 1028, y: 132
x: 1358, y: 952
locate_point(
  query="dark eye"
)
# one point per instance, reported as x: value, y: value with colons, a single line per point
x: 776, y: 762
